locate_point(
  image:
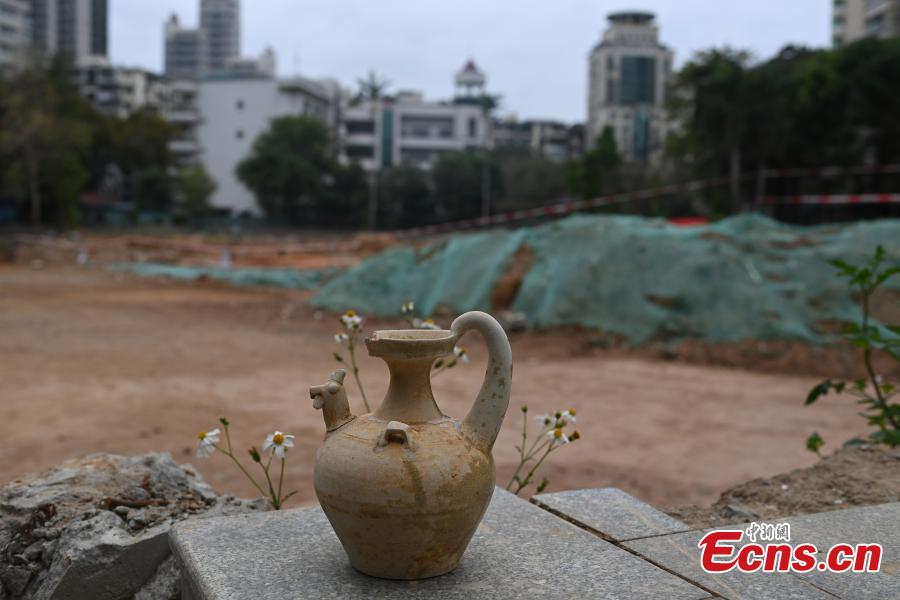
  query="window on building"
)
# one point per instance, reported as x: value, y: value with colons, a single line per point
x: 239, y: 105
x: 418, y: 155
x: 360, y: 152
x: 360, y: 127
x: 473, y: 127
x: 638, y: 80
x: 611, y: 97
x: 426, y: 127
x: 239, y: 134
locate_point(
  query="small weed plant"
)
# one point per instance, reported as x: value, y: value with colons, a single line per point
x: 875, y: 394
x: 552, y: 435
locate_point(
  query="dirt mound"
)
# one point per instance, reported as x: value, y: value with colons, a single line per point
x: 853, y: 476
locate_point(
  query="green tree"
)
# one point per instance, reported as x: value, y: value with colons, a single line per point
x: 153, y: 190
x: 459, y: 180
x: 293, y: 172
x: 45, y: 142
x: 406, y: 199
x: 597, y: 172
x: 711, y: 101
x: 194, y: 187
x: 529, y: 180
x: 372, y: 87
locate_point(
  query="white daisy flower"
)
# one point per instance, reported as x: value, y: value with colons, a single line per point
x: 557, y: 437
x: 278, y: 443
x: 206, y: 442
x: 340, y: 338
x: 567, y: 416
x: 351, y: 320
x: 408, y: 307
x: 461, y: 354
x: 426, y: 324
x: 546, y: 419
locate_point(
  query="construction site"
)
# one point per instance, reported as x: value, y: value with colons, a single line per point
x: 687, y: 351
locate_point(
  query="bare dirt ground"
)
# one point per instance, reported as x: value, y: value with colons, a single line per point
x: 93, y: 362
x: 851, y: 476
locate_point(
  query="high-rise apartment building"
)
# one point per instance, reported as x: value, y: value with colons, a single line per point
x: 628, y: 73
x: 15, y: 32
x: 76, y: 28
x: 221, y: 20
x: 855, y: 19
x: 185, y: 51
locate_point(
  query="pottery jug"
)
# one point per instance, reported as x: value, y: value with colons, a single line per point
x: 405, y: 486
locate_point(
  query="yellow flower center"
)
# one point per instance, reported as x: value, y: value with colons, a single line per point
x: 572, y: 411
x: 350, y: 313
x: 557, y: 433
x: 201, y: 435
x: 277, y: 439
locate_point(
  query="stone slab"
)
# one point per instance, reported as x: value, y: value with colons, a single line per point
x: 873, y: 524
x: 610, y: 511
x: 519, y: 550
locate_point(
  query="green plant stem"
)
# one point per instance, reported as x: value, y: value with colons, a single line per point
x: 528, y: 477
x: 241, y: 467
x: 352, y: 347
x: 275, y: 504
x: 867, y: 359
x: 280, y: 480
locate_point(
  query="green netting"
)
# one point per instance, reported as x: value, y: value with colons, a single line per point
x: 459, y: 274
x: 746, y: 277
x: 240, y: 276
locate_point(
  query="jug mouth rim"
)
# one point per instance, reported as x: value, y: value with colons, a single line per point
x: 411, y: 343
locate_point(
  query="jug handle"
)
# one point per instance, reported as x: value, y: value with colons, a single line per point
x: 482, y: 424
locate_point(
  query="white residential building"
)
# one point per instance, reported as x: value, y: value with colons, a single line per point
x: 555, y: 140
x: 15, y: 33
x: 120, y: 91
x: 407, y: 129
x: 230, y: 114
x: 855, y: 19
x: 628, y: 74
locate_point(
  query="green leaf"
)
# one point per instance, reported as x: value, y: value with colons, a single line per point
x: 845, y: 269
x: 819, y: 390
x: 338, y: 357
x: 814, y: 442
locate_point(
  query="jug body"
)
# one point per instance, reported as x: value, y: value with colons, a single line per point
x: 405, y: 487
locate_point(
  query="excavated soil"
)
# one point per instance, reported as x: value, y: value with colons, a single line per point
x: 95, y: 362
x: 851, y: 476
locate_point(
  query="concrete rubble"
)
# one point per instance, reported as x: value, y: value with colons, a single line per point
x: 97, y: 527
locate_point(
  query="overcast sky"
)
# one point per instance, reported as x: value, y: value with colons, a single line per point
x: 534, y: 52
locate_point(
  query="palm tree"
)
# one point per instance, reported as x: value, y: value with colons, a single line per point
x: 372, y: 87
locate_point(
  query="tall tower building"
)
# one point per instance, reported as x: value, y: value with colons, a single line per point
x: 221, y: 20
x: 75, y: 28
x: 628, y: 73
x: 855, y: 19
x: 15, y: 33
x: 185, y: 51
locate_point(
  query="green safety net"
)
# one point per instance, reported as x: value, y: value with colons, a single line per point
x: 458, y: 274
x: 745, y: 277
x: 239, y: 276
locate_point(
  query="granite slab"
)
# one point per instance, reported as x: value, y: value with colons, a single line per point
x: 519, y: 550
x: 873, y: 524
x: 611, y: 512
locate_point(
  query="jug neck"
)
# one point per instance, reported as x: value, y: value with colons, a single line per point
x: 409, y: 398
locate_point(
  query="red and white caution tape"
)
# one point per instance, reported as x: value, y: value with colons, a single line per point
x: 835, y: 199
